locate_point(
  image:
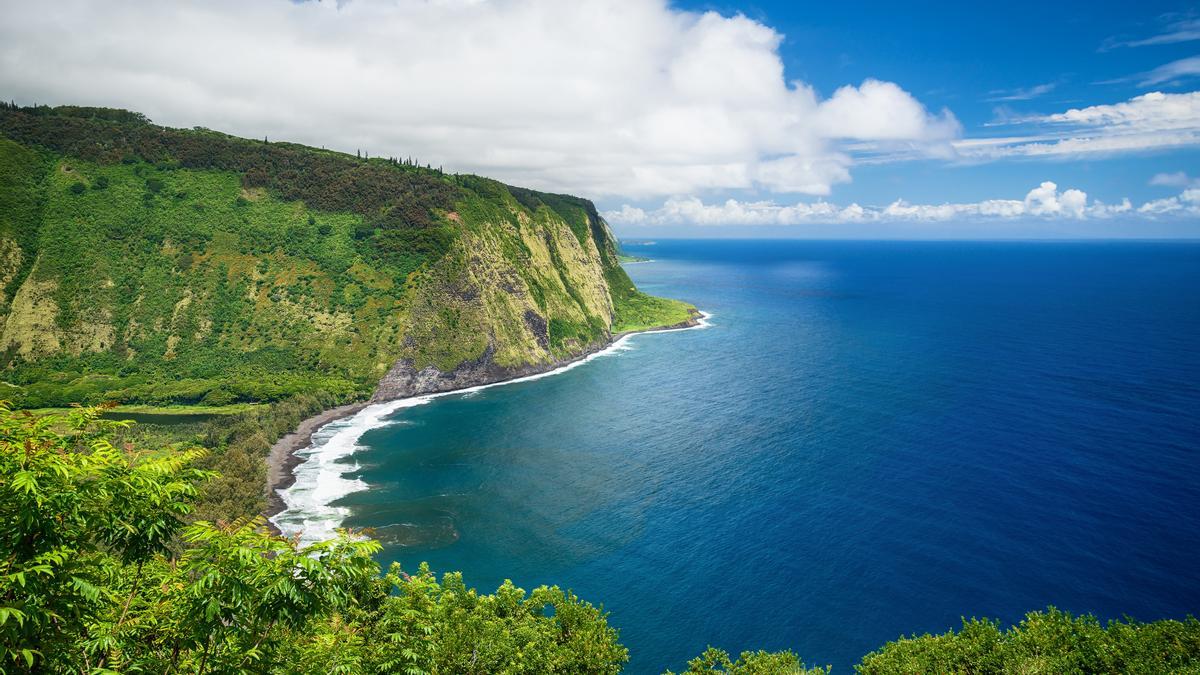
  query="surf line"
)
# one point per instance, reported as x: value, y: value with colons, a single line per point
x: 320, y: 479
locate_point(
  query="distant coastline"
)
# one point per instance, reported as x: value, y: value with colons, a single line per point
x: 283, y: 460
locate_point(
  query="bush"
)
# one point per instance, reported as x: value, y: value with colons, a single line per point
x: 717, y: 662
x: 101, y: 574
x: 78, y: 188
x: 1046, y: 642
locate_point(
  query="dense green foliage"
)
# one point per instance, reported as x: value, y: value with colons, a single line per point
x: 636, y: 310
x: 210, y: 299
x: 143, y: 264
x: 386, y: 192
x: 1046, y: 642
x: 238, y: 447
x: 100, y: 573
x: 717, y: 662
x: 414, y: 624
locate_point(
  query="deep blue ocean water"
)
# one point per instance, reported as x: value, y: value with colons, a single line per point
x: 871, y: 439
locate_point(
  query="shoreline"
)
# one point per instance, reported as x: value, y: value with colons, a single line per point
x: 283, y: 460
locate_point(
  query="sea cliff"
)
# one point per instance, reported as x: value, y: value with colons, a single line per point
x: 142, y: 264
x: 145, y: 264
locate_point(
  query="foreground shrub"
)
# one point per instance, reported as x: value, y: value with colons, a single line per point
x: 99, y: 572
x: 1046, y: 642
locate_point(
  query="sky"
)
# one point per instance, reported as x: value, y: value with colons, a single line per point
x: 892, y: 120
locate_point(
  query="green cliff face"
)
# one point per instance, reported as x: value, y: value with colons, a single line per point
x: 154, y: 265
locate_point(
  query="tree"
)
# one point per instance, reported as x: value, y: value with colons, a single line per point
x: 416, y: 625
x: 717, y: 662
x: 1046, y: 642
x: 102, y: 573
x: 73, y: 508
x: 93, y: 576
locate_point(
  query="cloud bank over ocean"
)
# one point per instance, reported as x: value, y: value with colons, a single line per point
x: 1044, y: 201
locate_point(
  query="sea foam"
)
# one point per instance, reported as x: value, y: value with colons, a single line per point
x: 310, y: 512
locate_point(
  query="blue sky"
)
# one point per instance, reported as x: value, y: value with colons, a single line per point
x: 1013, y: 119
x: 990, y: 62
x: 1044, y: 57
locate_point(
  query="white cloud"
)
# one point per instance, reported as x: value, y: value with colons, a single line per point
x: 1153, y: 121
x: 882, y: 111
x: 1022, y: 94
x: 1154, y: 111
x: 1177, y: 179
x: 1175, y: 70
x: 1184, y: 30
x: 1044, y: 202
x: 1187, y: 203
x: 601, y: 97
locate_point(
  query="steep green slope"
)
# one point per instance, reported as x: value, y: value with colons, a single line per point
x: 145, y: 264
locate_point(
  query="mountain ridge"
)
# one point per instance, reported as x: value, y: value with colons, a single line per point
x: 145, y: 264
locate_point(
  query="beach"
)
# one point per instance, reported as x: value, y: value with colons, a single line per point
x: 285, y: 462
x: 282, y: 460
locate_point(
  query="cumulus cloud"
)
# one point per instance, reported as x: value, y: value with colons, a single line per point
x: 1187, y: 203
x: 1152, y: 121
x: 882, y: 111
x: 1044, y: 202
x: 602, y: 97
x: 1154, y: 111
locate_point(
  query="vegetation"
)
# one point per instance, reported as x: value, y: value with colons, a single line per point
x: 717, y: 661
x: 101, y: 573
x: 636, y: 310
x: 143, y: 264
x: 1046, y: 642
x: 191, y: 272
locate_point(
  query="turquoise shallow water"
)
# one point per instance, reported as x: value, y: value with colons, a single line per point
x: 871, y: 439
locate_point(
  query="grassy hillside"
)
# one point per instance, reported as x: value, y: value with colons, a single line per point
x: 141, y: 264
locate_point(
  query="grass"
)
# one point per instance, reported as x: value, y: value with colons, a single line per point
x: 141, y: 409
x: 645, y: 312
x: 189, y: 280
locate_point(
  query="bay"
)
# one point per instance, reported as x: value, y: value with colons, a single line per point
x: 871, y: 439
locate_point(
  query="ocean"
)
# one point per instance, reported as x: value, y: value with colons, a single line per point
x: 868, y: 439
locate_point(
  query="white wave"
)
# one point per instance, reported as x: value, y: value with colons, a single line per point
x: 309, y: 511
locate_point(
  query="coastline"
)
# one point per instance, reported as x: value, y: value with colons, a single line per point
x: 282, y: 460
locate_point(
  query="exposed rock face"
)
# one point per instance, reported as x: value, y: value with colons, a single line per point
x: 29, y: 327
x: 202, y: 285
x: 538, y: 326
x: 404, y: 380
